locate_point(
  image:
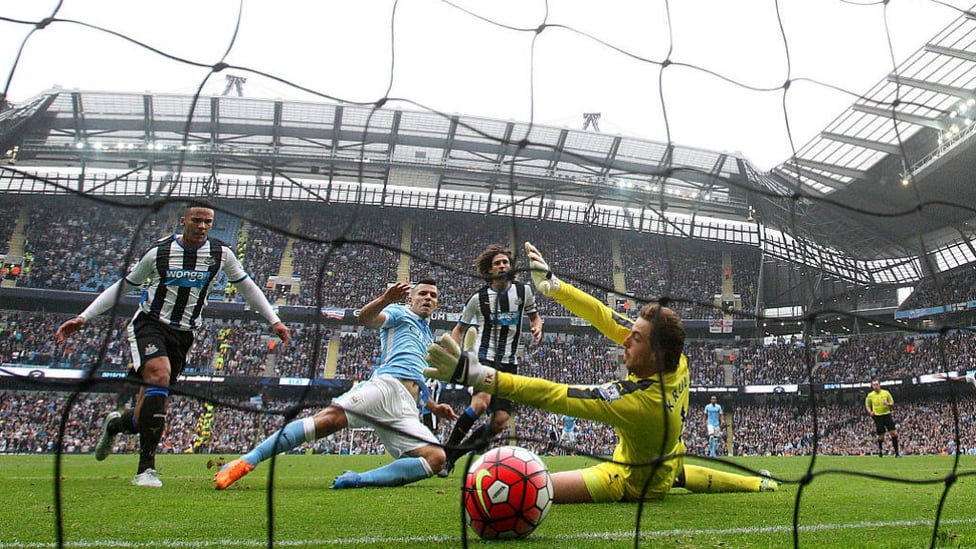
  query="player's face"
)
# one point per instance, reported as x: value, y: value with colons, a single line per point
x: 875, y: 386
x: 423, y: 300
x: 714, y: 400
x: 196, y: 223
x: 500, y: 264
x: 638, y: 355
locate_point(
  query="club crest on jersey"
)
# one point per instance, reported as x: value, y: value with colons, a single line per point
x: 609, y: 392
x: 209, y: 261
x: 150, y: 349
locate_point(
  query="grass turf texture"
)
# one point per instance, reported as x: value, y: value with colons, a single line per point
x: 101, y: 509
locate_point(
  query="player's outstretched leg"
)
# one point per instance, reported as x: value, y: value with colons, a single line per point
x: 454, y: 447
x: 348, y: 479
x: 232, y: 472
x: 399, y: 472
x: 109, y: 432
x: 291, y: 436
x: 703, y: 480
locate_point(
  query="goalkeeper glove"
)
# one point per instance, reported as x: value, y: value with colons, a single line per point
x: 542, y: 276
x: 449, y: 363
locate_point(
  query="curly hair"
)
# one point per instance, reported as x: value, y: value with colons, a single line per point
x: 484, y: 259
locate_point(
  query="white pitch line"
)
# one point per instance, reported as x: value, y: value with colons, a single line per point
x: 177, y: 544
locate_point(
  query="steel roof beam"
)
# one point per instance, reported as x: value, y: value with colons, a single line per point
x: 955, y: 91
x: 832, y: 168
x: 915, y: 119
x: 887, y: 148
x: 951, y: 52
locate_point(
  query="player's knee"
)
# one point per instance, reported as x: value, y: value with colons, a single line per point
x: 329, y: 420
x: 436, y: 458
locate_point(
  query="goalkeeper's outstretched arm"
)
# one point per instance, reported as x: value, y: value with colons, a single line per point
x: 575, y: 300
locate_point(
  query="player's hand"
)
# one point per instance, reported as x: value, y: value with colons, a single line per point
x: 282, y: 332
x: 449, y: 363
x: 69, y: 327
x: 542, y: 276
x: 444, y: 411
x: 397, y: 292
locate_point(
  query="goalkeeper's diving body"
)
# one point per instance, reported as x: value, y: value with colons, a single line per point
x: 646, y: 409
x: 388, y: 402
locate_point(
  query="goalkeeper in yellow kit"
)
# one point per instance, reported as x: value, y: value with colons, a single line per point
x: 647, y: 409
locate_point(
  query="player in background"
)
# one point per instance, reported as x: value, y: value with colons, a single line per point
x: 647, y: 409
x: 497, y: 309
x: 714, y: 425
x: 878, y: 404
x: 180, y: 269
x: 568, y: 435
x: 388, y: 401
x: 552, y: 434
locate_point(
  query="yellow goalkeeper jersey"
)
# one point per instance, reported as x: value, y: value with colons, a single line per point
x: 647, y: 417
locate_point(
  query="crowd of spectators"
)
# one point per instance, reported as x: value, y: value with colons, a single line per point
x: 351, y: 273
x: 689, y: 273
x: 77, y: 244
x: 8, y: 220
x: 244, y: 348
x: 29, y: 423
x: 956, y: 286
x: 81, y: 245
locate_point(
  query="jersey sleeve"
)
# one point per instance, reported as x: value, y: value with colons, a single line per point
x: 232, y: 266
x: 581, y: 402
x: 471, y: 314
x: 143, y: 269
x: 591, y: 309
x: 393, y: 314
x: 530, y: 306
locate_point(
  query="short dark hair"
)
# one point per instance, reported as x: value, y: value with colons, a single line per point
x: 428, y: 281
x: 483, y: 261
x: 198, y: 203
x: 667, y: 333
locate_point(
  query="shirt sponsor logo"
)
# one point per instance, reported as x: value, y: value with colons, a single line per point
x: 187, y: 278
x: 505, y: 318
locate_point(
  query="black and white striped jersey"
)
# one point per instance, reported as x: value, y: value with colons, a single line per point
x: 176, y: 279
x: 498, y: 316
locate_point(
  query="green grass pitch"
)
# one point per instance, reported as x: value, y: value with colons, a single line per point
x: 101, y: 509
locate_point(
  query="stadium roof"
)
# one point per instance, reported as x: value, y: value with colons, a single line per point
x: 901, y: 151
x: 880, y: 186
x: 324, y: 141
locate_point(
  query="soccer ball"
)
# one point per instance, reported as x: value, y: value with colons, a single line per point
x: 507, y: 493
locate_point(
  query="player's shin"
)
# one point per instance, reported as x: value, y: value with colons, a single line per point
x: 152, y: 420
x: 399, y: 472
x: 702, y: 480
x: 293, y: 435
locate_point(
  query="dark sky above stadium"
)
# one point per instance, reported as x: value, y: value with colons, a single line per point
x: 487, y: 58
